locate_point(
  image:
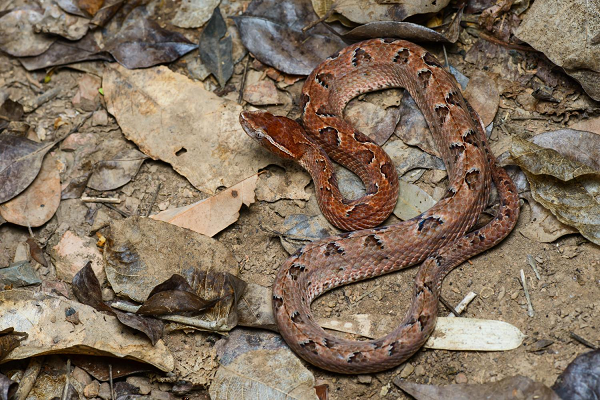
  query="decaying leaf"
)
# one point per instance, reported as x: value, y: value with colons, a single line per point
x: 581, y: 379
x: 10, y: 111
x: 39, y: 201
x: 18, y: 36
x: 257, y: 365
x: 174, y: 296
x: 505, y: 389
x: 272, y: 31
x: 543, y: 227
x: 36, y: 252
x: 112, y: 174
x: 412, y: 201
x: 143, y: 43
x: 562, y: 31
x: 20, y: 162
x: 10, y: 340
x: 98, y: 333
x: 210, y: 216
x: 87, y: 289
x: 405, y: 30
x: 64, y: 51
x: 101, y: 367
x: 366, y: 11
x: 482, y: 93
x: 137, y: 259
x: 215, y: 48
x: 568, y: 188
x: 194, y: 13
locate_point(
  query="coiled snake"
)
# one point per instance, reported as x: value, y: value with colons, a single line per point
x: 437, y: 238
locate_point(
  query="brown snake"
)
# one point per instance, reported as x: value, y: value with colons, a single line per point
x: 437, y: 238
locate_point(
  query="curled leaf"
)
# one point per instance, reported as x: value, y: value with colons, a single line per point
x: 568, y: 188
x: 174, y: 296
x: 10, y: 340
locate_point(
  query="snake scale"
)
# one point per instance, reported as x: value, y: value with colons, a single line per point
x: 439, y: 238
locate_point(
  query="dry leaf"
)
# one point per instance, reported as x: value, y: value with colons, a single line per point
x: 505, y: 389
x: 112, y: 174
x: 152, y: 103
x: 210, y: 216
x: 581, y: 379
x: 566, y: 187
x: 87, y: 289
x: 257, y: 365
x: 365, y: 11
x: 18, y: 36
x: 215, y: 48
x: 39, y: 201
x: 194, y: 13
x: 98, y: 334
x: 20, y: 162
x: 412, y: 201
x: 482, y: 93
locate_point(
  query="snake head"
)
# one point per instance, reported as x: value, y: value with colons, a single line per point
x: 280, y: 135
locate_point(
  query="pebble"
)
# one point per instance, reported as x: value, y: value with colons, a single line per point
x: 407, y: 371
x: 420, y: 370
x: 92, y: 390
x: 461, y: 377
x: 81, y: 376
x: 140, y: 382
x: 366, y: 379
x: 104, y: 392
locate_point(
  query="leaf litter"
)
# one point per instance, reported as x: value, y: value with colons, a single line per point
x: 283, y: 194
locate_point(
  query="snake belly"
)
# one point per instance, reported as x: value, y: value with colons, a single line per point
x: 439, y: 238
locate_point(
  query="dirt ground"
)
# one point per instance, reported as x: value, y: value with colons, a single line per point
x: 566, y: 298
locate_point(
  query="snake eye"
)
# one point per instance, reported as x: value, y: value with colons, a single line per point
x: 260, y: 134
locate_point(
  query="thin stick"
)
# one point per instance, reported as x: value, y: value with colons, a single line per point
x: 111, y: 200
x: 449, y: 306
x: 66, y: 389
x: 583, y: 341
x: 529, y: 305
x: 462, y: 306
x: 531, y: 261
x: 154, y: 197
x: 243, y: 84
x: 123, y: 213
x: 322, y: 19
x: 110, y: 375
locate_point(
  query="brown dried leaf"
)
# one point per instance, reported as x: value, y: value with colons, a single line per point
x: 86, y: 288
x: 20, y: 162
x: 100, y: 367
x: 482, y: 94
x: 272, y: 31
x: 10, y: 111
x: 112, y: 174
x: 366, y: 11
x: 10, y: 340
x: 210, y: 216
x: 36, y: 252
x: 18, y: 36
x: 39, y: 201
x: 404, y: 30
x: 561, y: 30
x: 504, y: 389
x: 174, y: 296
x: 568, y: 188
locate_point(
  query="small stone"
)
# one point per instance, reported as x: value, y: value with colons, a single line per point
x: 461, y: 377
x: 384, y: 390
x: 420, y: 370
x: 22, y: 253
x: 108, y: 294
x: 92, y: 389
x: 407, y: 371
x: 81, y: 376
x: 163, y: 205
x: 141, y: 382
x: 160, y: 395
x: 87, y: 96
x: 104, y: 392
x: 366, y: 379
x: 514, y: 295
x: 100, y: 118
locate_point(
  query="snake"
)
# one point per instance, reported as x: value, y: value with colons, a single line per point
x: 439, y: 239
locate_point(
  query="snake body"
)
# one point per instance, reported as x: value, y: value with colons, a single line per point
x: 438, y: 238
